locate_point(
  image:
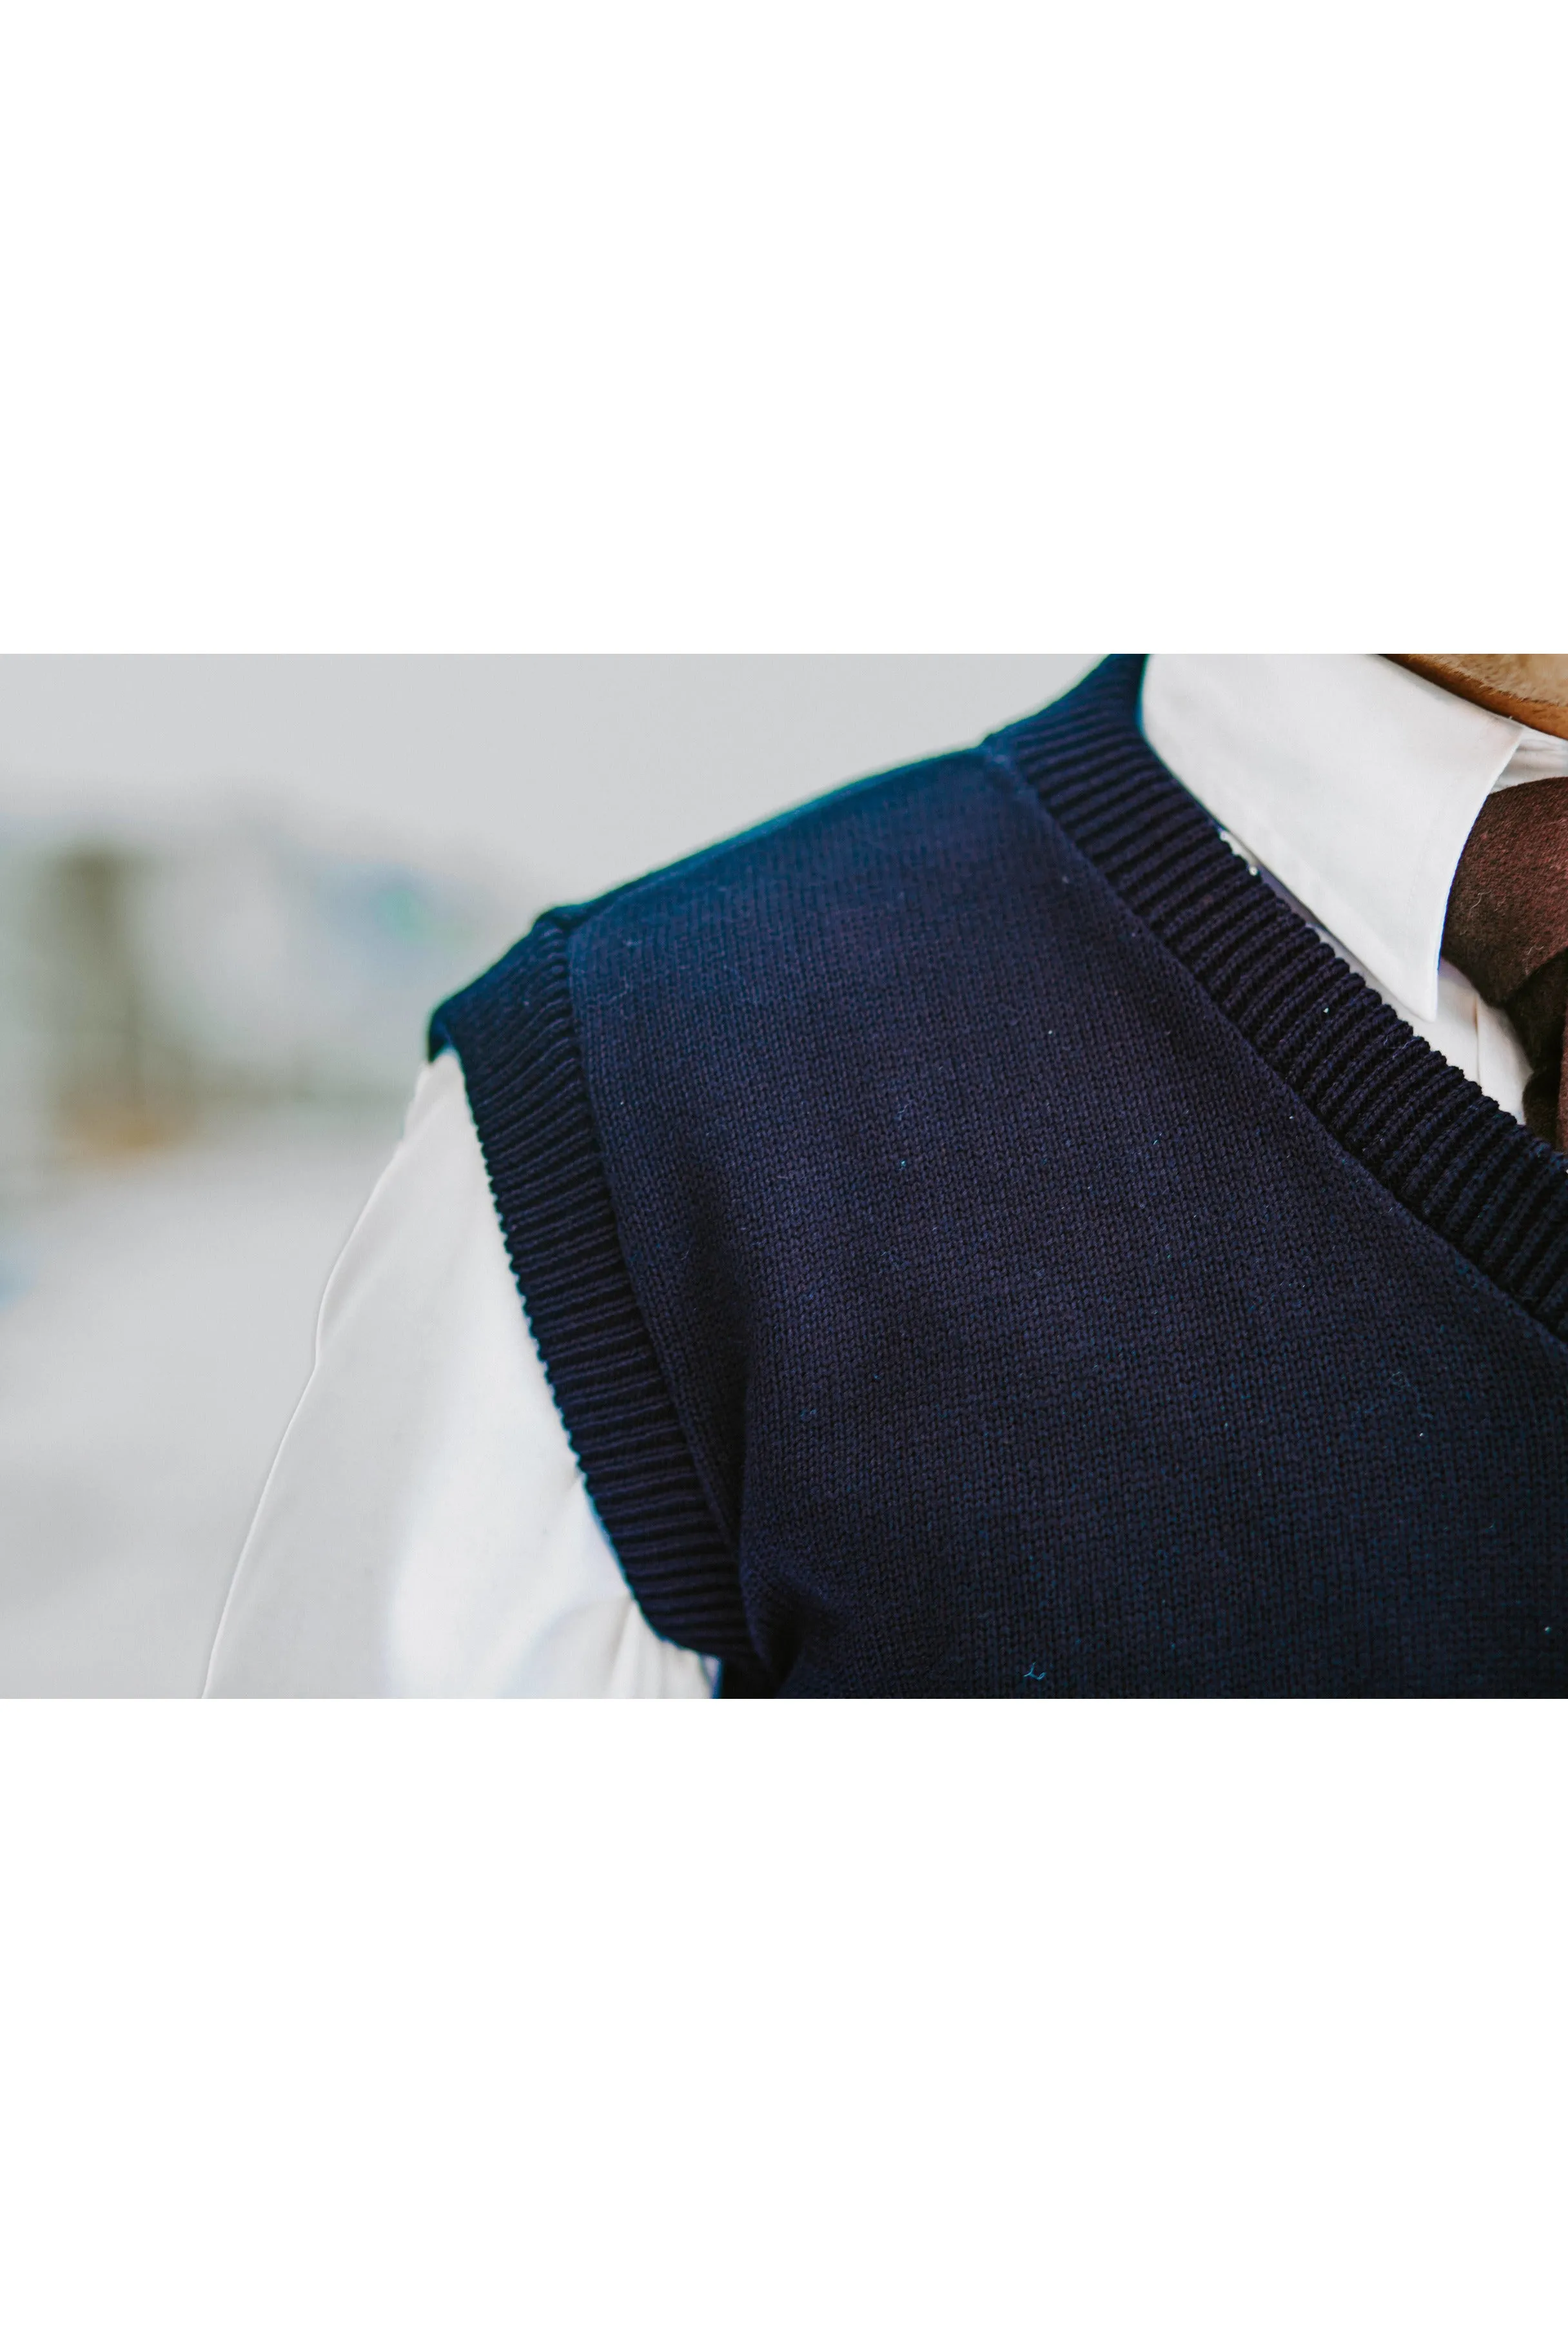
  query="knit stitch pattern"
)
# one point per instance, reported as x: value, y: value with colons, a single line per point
x: 983, y: 1243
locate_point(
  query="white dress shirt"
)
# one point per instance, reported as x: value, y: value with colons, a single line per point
x: 426, y: 1528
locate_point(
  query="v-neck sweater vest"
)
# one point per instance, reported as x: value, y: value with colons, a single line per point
x: 982, y: 1242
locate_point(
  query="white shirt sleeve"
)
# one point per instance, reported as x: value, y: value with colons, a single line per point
x: 425, y: 1530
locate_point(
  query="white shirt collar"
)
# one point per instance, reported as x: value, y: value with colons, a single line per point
x: 1355, y: 782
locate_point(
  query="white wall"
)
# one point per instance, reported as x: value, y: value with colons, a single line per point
x: 572, y: 773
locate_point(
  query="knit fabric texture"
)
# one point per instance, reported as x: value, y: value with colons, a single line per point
x: 982, y: 1242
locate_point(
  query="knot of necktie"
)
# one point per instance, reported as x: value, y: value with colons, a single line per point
x: 1506, y: 930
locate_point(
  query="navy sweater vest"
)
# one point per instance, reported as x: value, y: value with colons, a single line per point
x: 982, y: 1241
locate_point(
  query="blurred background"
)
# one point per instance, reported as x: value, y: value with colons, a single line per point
x: 230, y: 893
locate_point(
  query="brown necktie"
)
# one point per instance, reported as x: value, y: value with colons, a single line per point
x: 1508, y: 931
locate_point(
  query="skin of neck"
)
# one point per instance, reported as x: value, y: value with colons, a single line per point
x: 1530, y: 688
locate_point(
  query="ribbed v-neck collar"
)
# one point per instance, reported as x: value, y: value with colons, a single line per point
x: 1494, y: 1192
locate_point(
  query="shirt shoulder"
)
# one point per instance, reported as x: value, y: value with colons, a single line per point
x: 425, y: 1530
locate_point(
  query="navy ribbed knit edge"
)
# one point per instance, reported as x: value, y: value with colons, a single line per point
x: 1447, y: 1152
x: 1491, y: 1190
x: 516, y: 1036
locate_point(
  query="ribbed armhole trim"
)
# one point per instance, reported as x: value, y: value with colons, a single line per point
x: 1494, y: 1192
x: 516, y: 1036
